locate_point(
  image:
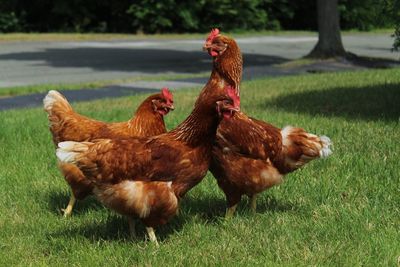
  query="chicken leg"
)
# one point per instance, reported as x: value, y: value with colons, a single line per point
x: 132, y: 228
x: 152, y: 235
x: 68, y: 210
x: 253, y: 203
x: 230, y: 211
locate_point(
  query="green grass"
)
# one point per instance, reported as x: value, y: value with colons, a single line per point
x: 342, y: 211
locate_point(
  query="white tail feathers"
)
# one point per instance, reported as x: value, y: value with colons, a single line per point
x: 296, y: 136
x: 53, y: 97
x: 69, y: 150
x: 326, y: 149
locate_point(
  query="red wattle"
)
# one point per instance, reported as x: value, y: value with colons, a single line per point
x: 213, y: 53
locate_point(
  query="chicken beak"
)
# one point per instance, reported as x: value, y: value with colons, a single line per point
x: 206, y: 46
x: 171, y: 107
x: 235, y: 109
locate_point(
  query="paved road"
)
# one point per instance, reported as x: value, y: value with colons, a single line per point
x: 29, y: 63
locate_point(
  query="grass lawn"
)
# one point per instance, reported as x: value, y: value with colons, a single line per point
x: 342, y: 211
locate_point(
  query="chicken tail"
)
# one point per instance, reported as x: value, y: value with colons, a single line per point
x: 69, y: 151
x: 300, y: 147
x: 55, y: 102
x: 326, y: 150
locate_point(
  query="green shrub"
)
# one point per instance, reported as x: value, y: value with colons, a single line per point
x: 396, y: 35
x: 363, y: 15
x: 235, y: 15
x: 9, y: 22
x: 171, y: 16
x: 153, y: 16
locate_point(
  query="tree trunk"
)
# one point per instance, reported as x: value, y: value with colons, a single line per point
x: 329, y: 39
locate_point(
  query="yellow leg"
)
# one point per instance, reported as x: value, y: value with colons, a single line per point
x: 230, y: 211
x: 132, y: 228
x: 253, y: 203
x: 152, y: 235
x: 68, y: 210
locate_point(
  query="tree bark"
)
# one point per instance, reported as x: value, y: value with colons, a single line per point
x: 329, y: 39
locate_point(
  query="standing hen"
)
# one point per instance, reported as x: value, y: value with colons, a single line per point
x: 250, y: 155
x: 125, y: 171
x: 66, y: 124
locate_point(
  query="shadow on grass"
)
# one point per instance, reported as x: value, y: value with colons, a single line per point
x: 271, y: 204
x: 372, y: 62
x: 116, y: 228
x: 206, y: 210
x: 132, y: 59
x: 59, y: 200
x: 212, y: 210
x: 380, y: 102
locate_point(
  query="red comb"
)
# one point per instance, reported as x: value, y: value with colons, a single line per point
x: 166, y: 93
x: 233, y: 95
x: 212, y: 35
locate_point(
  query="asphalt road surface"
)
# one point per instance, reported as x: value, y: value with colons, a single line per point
x: 29, y: 63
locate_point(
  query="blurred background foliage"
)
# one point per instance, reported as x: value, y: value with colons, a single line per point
x: 177, y: 16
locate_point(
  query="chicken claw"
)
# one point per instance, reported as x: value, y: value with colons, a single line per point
x: 68, y: 210
x: 230, y: 211
x: 152, y: 235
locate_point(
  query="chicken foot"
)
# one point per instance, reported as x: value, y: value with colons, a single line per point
x: 230, y: 211
x: 152, y: 235
x: 68, y: 210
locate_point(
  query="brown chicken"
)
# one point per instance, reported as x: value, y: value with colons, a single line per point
x: 124, y: 171
x: 227, y: 60
x: 66, y: 124
x: 251, y: 155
